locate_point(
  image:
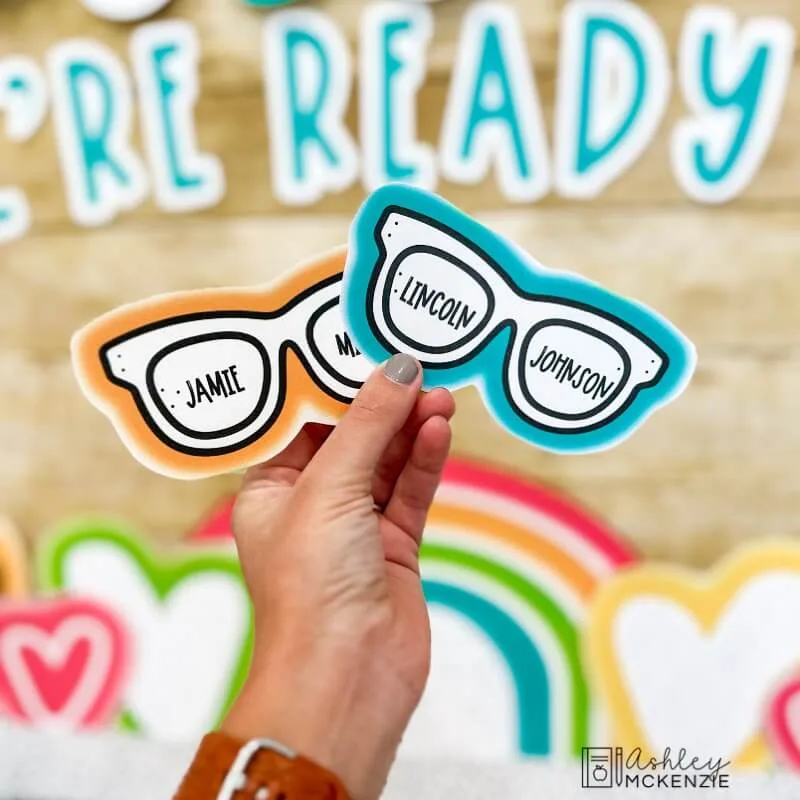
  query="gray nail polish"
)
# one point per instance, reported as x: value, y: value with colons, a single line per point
x: 401, y: 368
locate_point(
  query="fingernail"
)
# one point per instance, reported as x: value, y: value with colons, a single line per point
x: 401, y: 368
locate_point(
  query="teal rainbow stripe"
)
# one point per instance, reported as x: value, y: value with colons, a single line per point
x: 527, y: 667
x: 519, y: 648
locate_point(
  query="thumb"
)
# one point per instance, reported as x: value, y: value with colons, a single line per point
x: 378, y: 412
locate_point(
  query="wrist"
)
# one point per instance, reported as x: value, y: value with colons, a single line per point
x: 345, y: 711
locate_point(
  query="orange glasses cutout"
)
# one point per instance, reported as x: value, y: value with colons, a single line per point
x: 204, y: 382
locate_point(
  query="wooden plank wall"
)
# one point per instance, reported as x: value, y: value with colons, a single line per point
x: 720, y: 465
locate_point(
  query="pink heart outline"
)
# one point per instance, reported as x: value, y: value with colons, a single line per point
x: 783, y: 723
x: 51, y: 629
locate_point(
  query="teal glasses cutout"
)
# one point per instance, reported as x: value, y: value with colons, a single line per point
x: 560, y: 362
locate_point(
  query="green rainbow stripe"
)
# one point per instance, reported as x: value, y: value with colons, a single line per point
x: 524, y: 670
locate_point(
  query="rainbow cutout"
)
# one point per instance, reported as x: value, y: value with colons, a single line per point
x: 522, y: 564
x: 495, y: 541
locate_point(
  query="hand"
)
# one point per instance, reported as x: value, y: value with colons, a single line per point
x: 328, y: 534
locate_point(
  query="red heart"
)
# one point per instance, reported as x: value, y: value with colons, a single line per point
x: 63, y: 662
x: 783, y: 723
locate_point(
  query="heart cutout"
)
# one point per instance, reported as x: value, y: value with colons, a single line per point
x: 686, y: 660
x: 188, y: 612
x: 63, y: 663
x: 783, y: 724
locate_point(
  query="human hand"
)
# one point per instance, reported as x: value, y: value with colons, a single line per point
x: 328, y: 534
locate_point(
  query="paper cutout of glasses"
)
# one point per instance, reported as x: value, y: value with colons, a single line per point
x: 561, y: 362
x: 205, y: 382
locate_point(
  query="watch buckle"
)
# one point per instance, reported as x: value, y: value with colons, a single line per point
x: 236, y: 779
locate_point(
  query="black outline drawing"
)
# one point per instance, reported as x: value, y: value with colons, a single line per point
x: 312, y: 344
x: 459, y: 264
x: 279, y: 374
x: 192, y: 340
x: 548, y: 323
x: 381, y: 264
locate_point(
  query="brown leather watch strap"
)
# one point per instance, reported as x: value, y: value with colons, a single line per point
x: 261, y: 773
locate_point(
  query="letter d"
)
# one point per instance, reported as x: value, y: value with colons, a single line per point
x: 613, y: 87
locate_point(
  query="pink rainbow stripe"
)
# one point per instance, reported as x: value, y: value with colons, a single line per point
x: 462, y: 472
x: 216, y: 524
